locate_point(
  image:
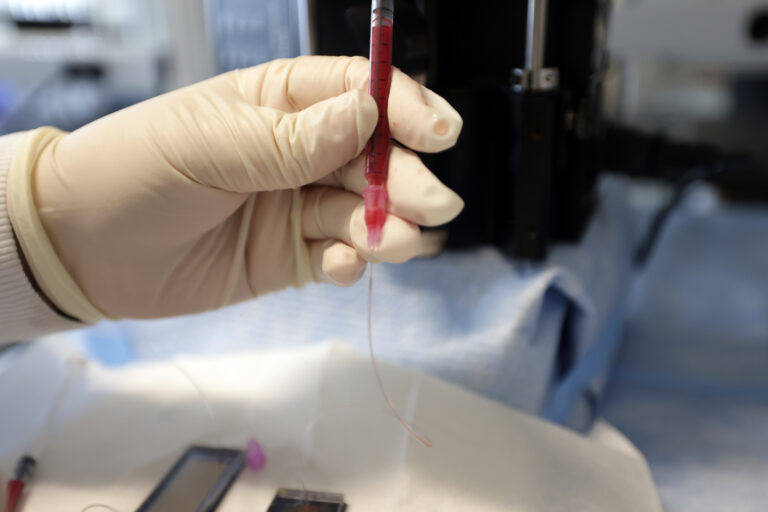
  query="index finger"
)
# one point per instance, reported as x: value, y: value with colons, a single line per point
x: 418, y: 118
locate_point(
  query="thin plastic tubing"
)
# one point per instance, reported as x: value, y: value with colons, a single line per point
x: 421, y: 439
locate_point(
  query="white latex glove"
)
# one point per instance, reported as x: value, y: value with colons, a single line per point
x: 239, y: 185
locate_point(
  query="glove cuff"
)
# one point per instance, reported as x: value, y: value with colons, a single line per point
x: 50, y: 273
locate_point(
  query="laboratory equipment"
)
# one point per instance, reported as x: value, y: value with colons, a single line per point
x: 524, y: 162
x: 287, y: 500
x: 531, y: 78
x: 66, y: 63
x: 317, y: 414
x: 377, y: 149
x: 198, y: 481
x: 22, y: 475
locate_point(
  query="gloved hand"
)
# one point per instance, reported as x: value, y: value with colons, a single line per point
x: 239, y: 185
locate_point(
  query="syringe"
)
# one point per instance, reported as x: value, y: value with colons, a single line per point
x: 377, y: 150
x: 377, y: 162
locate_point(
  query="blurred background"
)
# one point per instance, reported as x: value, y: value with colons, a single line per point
x: 636, y: 290
x: 692, y: 68
x: 67, y: 62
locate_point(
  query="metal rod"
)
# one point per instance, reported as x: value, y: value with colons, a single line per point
x: 535, y: 36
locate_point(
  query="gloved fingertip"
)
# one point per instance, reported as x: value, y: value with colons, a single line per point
x: 451, y: 206
x: 400, y: 240
x: 417, y: 195
x: 446, y: 122
x: 439, y: 204
x: 342, y: 264
x: 422, y: 120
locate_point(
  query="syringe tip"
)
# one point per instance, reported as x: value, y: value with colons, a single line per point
x: 374, y: 237
x: 376, y: 203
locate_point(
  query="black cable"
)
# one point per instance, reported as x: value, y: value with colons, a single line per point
x: 680, y: 187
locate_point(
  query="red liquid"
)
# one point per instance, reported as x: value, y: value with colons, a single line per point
x: 377, y: 149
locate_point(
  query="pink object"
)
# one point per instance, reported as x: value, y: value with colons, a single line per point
x: 255, y: 458
x: 376, y: 204
x: 424, y: 440
x: 377, y: 150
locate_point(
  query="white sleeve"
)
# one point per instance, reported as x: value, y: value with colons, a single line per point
x: 24, y: 314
